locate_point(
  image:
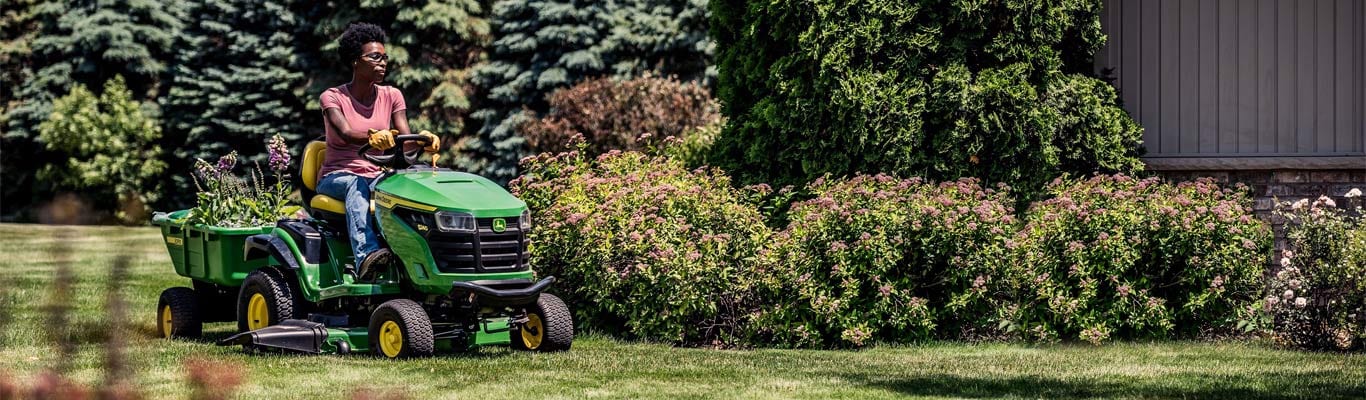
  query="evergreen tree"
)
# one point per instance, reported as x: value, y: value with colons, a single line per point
x: 18, y: 27
x: 942, y: 89
x: 543, y: 45
x: 80, y: 42
x: 238, y: 78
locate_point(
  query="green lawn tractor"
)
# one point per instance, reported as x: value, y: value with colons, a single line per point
x: 460, y: 278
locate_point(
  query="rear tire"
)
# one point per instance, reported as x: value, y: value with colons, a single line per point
x: 266, y: 298
x: 177, y: 314
x: 549, y: 326
x: 401, y: 329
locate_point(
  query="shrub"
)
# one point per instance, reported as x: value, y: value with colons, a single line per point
x: 1318, y: 298
x: 935, y: 88
x: 1113, y: 256
x: 643, y: 246
x: 878, y: 258
x: 110, y: 148
x: 611, y: 114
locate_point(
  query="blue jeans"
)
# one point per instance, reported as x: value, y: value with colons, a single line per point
x: 360, y: 223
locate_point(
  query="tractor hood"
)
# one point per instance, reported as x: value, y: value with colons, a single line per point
x: 430, y: 190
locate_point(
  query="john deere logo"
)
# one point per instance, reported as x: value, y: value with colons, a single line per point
x: 499, y: 225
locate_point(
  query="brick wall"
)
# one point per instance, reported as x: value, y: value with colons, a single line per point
x: 1270, y: 186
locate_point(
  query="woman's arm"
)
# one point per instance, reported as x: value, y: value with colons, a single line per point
x: 358, y: 136
x: 400, y: 122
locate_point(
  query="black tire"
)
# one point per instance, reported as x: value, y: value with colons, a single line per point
x: 217, y: 303
x: 282, y: 298
x: 181, y: 305
x: 556, y: 330
x: 410, y: 322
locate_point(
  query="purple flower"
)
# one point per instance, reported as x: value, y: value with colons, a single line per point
x: 225, y: 163
x: 279, y: 153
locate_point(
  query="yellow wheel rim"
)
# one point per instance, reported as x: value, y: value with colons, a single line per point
x: 532, y: 331
x: 258, y: 315
x: 390, y: 339
x: 166, y: 321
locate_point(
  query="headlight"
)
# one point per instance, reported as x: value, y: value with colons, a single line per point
x: 525, y: 223
x: 455, y: 222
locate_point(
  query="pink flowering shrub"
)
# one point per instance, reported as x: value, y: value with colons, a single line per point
x: 642, y: 245
x: 1115, y: 256
x: 1318, y: 297
x: 879, y: 258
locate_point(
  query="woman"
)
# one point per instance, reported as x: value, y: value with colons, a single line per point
x: 356, y: 113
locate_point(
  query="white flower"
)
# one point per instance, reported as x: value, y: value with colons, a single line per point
x: 1295, y: 283
x: 1324, y: 201
x: 1353, y: 193
x: 1289, y: 294
x: 1299, y: 204
x: 1285, y: 261
x: 1301, y: 302
x: 1281, y: 274
x: 1289, y: 254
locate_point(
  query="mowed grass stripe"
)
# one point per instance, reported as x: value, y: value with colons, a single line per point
x: 603, y: 367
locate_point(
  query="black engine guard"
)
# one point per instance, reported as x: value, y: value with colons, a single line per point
x: 503, y: 293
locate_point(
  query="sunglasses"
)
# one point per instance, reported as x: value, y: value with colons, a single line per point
x: 376, y: 57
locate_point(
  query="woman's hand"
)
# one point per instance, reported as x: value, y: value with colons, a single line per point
x: 434, y: 142
x: 381, y: 140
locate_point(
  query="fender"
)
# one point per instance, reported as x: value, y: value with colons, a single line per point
x: 264, y: 245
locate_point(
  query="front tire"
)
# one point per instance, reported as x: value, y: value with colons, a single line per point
x: 266, y: 298
x: 401, y: 329
x: 549, y: 326
x: 177, y: 314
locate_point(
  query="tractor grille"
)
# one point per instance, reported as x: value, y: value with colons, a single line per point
x: 486, y: 251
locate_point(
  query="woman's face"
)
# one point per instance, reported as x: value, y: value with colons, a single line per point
x: 372, y: 63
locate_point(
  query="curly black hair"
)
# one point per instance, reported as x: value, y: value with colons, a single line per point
x: 358, y: 34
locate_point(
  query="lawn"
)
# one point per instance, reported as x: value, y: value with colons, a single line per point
x: 603, y: 367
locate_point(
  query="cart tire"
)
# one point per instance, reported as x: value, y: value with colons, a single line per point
x: 549, y: 326
x: 177, y: 314
x: 266, y: 298
x: 401, y: 329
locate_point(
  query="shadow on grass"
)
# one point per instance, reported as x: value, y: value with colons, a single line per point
x: 1271, y: 386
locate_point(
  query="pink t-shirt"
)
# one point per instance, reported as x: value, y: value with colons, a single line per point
x: 341, y: 155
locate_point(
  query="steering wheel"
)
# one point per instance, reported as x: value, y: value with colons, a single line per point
x: 391, y: 157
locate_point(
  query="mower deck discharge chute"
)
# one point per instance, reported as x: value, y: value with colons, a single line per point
x: 460, y: 278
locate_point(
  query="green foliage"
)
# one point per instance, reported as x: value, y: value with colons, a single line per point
x: 108, y: 147
x: 643, y: 246
x: 935, y: 88
x: 239, y: 73
x: 68, y: 44
x: 543, y: 45
x: 631, y: 114
x: 877, y: 258
x: 1113, y: 256
x: 1318, y: 298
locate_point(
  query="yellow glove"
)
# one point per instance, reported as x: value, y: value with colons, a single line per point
x: 435, y: 142
x: 381, y: 140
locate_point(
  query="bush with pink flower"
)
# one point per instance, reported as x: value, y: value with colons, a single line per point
x: 642, y: 245
x: 1115, y: 256
x: 1317, y: 298
x: 876, y: 258
x: 231, y: 201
